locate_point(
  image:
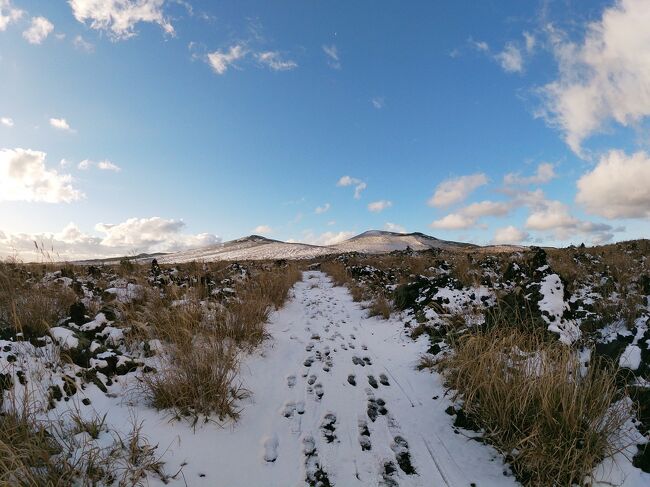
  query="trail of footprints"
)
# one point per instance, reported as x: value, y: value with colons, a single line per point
x: 322, y: 356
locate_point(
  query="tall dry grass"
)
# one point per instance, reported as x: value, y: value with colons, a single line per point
x: 553, y: 420
x: 27, y: 307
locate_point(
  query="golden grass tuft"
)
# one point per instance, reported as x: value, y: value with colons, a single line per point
x: 529, y: 395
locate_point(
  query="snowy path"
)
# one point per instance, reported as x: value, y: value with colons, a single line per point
x: 336, y: 395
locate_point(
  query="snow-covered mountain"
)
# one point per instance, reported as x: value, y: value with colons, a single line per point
x: 255, y: 247
x: 378, y: 242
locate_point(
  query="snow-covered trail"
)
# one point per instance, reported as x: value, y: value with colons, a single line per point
x: 334, y: 394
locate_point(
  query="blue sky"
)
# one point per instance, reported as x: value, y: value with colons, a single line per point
x: 179, y: 123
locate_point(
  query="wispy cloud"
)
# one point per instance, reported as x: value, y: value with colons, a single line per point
x: 82, y: 44
x: 274, y: 61
x: 104, y: 165
x: 378, y: 102
x: 263, y: 230
x: 322, y: 209
x: 332, y: 54
x: 545, y: 173
x: 7, y: 121
x: 8, y: 14
x: 220, y: 60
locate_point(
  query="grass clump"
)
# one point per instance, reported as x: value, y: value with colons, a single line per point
x: 380, y: 306
x: 552, y: 419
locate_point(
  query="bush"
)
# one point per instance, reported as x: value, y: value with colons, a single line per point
x: 553, y: 420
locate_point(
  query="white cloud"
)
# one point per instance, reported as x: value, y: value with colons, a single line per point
x: 603, y: 78
x: 24, y: 177
x: 618, y: 186
x: 134, y: 235
x: 263, y: 229
x: 487, y: 208
x: 359, y: 185
x: 82, y: 44
x: 108, y: 166
x: 8, y: 14
x: 379, y: 206
x: 456, y: 190
x: 509, y: 235
x: 554, y: 216
x: 7, y: 121
x: 378, y: 102
x: 332, y: 53
x: 119, y: 17
x: 61, y: 124
x: 327, y: 238
x: 38, y: 31
x: 221, y: 60
x: 545, y: 173
x: 454, y: 221
x: 510, y: 59
x: 322, y: 209
x: 104, y: 165
x: 394, y: 227
x: 274, y: 61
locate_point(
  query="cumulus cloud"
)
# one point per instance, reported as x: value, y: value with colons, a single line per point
x: 7, y: 121
x: 119, y: 17
x: 554, y: 217
x: 602, y: 78
x: 332, y: 54
x: 322, y: 209
x: 220, y: 60
x: 263, y: 229
x: 38, y: 30
x: 457, y: 189
x: 545, y: 173
x: 8, y: 14
x: 509, y: 235
x: 359, y: 185
x: 327, y: 238
x: 61, y: 124
x: 617, y: 187
x: 274, y: 61
x: 379, y: 206
x: 454, y: 221
x: 479, y: 45
x: 394, y: 227
x: 24, y: 177
x: 511, y: 59
x: 530, y: 42
x: 134, y: 235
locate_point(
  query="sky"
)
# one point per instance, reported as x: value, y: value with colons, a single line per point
x: 131, y: 126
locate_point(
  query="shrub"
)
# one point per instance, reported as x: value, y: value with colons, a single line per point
x: 552, y: 419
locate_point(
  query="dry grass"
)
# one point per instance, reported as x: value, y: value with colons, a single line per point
x: 27, y: 308
x: 198, y: 375
x: 337, y: 271
x: 528, y: 394
x: 199, y: 380
x: 380, y: 306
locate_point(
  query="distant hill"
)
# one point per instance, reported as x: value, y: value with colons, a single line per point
x: 255, y: 247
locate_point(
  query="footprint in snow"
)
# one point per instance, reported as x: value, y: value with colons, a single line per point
x: 352, y: 380
x: 364, y: 436
x: 383, y: 379
x: 311, y: 380
x: 270, y: 444
x: 318, y: 389
x: 372, y: 381
x: 291, y: 381
x: 328, y: 427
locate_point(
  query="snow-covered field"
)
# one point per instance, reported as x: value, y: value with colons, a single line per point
x: 334, y: 396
